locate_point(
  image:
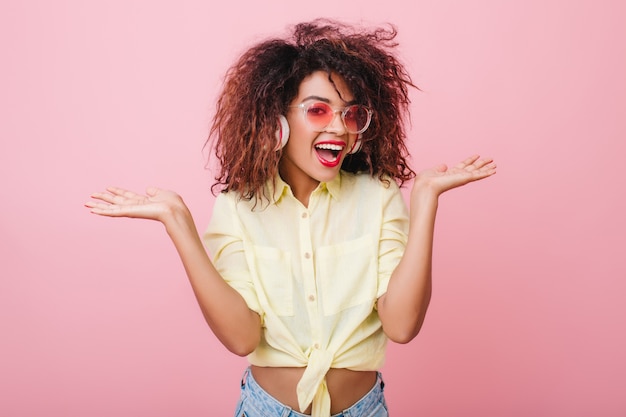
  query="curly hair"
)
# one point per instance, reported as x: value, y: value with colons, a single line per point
x: 265, y: 79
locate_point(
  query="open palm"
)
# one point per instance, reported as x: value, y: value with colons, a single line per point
x: 442, y: 178
x: 118, y: 202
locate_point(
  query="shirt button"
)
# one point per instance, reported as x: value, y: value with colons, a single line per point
x: 311, y: 297
x: 304, y: 215
x: 316, y: 346
x: 307, y: 255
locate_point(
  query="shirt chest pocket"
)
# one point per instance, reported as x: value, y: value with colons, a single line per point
x: 347, y: 274
x: 274, y: 279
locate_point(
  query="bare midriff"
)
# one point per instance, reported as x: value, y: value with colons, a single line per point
x: 346, y: 387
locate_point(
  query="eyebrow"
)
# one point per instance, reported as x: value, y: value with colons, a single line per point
x: 325, y: 100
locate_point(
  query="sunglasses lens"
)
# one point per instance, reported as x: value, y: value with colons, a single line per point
x: 356, y: 118
x: 319, y: 115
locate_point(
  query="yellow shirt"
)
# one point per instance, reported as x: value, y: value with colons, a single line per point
x: 313, y: 273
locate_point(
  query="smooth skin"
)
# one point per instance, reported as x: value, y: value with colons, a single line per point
x: 402, y: 308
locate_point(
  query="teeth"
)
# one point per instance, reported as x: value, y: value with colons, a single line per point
x: 329, y: 146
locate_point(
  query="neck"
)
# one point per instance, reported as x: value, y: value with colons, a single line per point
x: 301, y: 185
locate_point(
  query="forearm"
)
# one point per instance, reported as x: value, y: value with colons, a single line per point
x: 224, y: 309
x: 402, y: 308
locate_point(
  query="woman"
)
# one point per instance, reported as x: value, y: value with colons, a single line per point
x: 316, y: 261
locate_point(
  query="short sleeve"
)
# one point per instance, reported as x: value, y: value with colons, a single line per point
x: 224, y: 241
x: 393, y: 234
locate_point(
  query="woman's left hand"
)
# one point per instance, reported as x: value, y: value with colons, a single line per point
x: 441, y: 178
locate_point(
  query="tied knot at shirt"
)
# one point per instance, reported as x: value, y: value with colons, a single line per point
x: 313, y: 274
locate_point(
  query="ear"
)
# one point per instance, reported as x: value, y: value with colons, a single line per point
x: 358, y: 143
x: 282, y: 133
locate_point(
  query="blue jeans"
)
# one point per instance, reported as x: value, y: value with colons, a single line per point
x: 255, y: 402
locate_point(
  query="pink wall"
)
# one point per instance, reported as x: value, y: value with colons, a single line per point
x: 528, y: 318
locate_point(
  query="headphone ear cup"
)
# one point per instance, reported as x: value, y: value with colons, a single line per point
x: 357, y: 145
x: 282, y: 133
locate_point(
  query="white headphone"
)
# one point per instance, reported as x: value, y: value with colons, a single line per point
x: 357, y: 145
x: 282, y: 133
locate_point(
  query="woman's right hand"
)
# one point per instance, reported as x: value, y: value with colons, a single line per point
x: 156, y: 204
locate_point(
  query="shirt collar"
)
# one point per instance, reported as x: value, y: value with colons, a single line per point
x: 333, y: 186
x: 278, y: 188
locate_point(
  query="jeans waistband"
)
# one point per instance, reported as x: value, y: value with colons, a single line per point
x: 268, y: 405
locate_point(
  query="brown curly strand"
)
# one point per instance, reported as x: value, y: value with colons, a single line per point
x: 261, y: 84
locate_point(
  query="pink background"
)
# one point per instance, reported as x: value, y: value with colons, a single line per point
x: 528, y: 318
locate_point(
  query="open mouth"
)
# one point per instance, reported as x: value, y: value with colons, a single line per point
x: 329, y: 153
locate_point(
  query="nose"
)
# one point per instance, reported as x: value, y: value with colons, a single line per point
x: 336, y: 124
